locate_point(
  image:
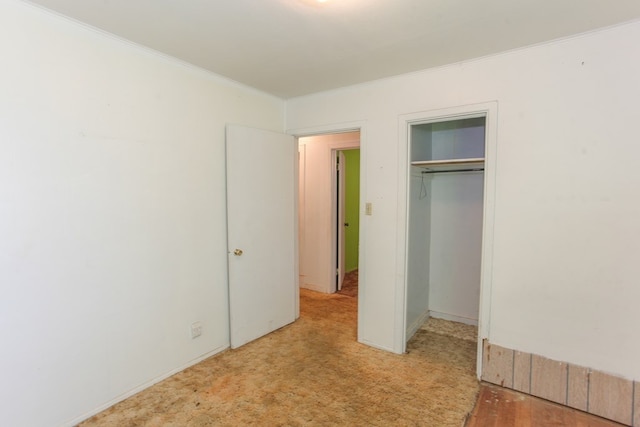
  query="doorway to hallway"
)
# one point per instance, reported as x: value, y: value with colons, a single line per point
x: 329, y: 209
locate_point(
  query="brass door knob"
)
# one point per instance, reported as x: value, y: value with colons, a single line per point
x: 237, y: 252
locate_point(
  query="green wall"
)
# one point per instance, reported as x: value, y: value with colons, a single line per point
x: 352, y: 203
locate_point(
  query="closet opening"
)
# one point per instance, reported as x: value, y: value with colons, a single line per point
x: 445, y: 223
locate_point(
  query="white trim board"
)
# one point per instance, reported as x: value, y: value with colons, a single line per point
x: 417, y: 324
x: 343, y: 127
x: 453, y: 318
x: 144, y: 386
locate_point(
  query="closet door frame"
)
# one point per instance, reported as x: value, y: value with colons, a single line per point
x: 489, y: 110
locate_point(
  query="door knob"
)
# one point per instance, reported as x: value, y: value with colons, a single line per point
x: 237, y: 252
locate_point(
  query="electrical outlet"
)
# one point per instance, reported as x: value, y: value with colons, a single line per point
x: 196, y: 329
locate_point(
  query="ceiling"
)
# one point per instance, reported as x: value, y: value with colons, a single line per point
x: 295, y: 47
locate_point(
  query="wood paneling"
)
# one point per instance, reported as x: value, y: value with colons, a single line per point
x: 499, y: 407
x: 522, y: 372
x: 578, y: 387
x: 611, y: 397
x: 497, y: 366
x: 549, y: 379
x: 636, y: 404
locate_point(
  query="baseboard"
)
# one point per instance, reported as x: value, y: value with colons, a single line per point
x: 315, y: 288
x: 413, y: 328
x: 143, y: 386
x: 585, y: 389
x: 379, y: 347
x: 454, y: 318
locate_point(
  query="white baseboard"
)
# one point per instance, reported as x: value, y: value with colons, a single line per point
x: 454, y: 318
x: 379, y: 347
x: 413, y: 328
x: 143, y: 386
x: 315, y: 288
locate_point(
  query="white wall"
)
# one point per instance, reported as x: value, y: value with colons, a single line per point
x: 565, y: 270
x: 316, y: 213
x: 456, y: 245
x: 112, y: 214
x: 418, y: 247
x: 456, y: 225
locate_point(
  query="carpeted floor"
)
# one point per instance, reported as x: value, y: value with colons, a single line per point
x: 350, y: 284
x: 453, y: 329
x: 314, y: 373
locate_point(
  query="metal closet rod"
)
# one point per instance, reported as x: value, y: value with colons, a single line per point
x: 455, y: 170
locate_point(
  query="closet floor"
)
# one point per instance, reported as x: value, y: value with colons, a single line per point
x: 452, y: 329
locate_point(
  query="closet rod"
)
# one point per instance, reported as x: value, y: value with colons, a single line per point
x: 455, y: 170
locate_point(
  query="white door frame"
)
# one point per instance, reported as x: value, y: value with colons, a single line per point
x: 357, y: 126
x: 328, y: 165
x: 335, y: 147
x: 337, y: 210
x: 490, y: 111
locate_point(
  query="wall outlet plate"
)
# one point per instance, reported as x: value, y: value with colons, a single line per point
x: 196, y: 329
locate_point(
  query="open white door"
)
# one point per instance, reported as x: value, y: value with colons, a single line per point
x: 341, y: 224
x: 261, y: 231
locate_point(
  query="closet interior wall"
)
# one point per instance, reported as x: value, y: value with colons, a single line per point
x: 445, y: 224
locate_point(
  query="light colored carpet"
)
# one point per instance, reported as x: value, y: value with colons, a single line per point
x: 314, y: 373
x: 350, y: 284
x: 453, y: 329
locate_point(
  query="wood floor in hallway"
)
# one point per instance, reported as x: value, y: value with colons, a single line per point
x: 500, y: 407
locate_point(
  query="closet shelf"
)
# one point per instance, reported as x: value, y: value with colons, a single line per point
x: 451, y: 165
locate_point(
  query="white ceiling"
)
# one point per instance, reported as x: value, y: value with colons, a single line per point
x: 295, y: 47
